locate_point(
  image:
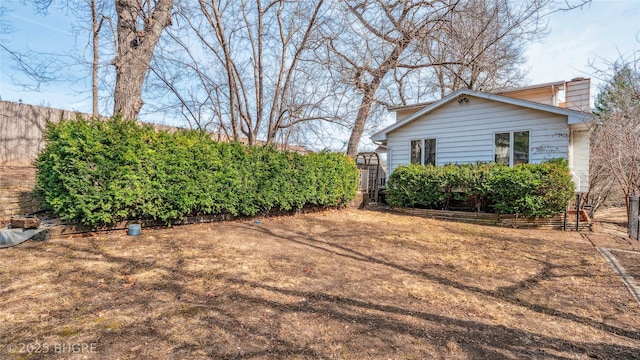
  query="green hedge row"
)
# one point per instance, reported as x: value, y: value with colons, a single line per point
x: 533, y: 190
x: 100, y: 172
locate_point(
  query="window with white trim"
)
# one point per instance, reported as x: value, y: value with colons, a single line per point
x: 423, y: 151
x: 511, y: 148
x: 416, y: 151
x: 429, y: 152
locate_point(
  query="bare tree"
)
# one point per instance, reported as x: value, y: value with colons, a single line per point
x: 36, y: 69
x: 375, y: 36
x: 101, y: 21
x: 601, y: 184
x: 96, y: 24
x: 615, y: 144
x: 443, y: 44
x: 139, y: 26
x: 95, y: 18
x: 243, y: 67
x: 482, y: 45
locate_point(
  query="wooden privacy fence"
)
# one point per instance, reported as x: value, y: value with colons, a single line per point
x: 634, y: 216
x: 22, y: 129
x: 16, y: 192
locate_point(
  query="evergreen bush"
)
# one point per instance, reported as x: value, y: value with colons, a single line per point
x: 532, y: 190
x: 100, y: 172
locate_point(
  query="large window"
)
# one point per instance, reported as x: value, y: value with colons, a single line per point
x: 511, y: 148
x: 428, y: 156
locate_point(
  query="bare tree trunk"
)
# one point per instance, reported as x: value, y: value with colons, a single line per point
x: 358, y: 128
x: 369, y: 95
x: 361, y: 118
x: 138, y: 32
x: 95, y: 29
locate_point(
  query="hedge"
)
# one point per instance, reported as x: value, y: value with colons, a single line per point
x: 532, y: 190
x: 100, y: 172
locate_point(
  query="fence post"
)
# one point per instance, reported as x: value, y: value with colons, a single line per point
x: 634, y: 205
x: 578, y: 197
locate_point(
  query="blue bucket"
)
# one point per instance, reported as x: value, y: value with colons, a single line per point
x: 134, y: 230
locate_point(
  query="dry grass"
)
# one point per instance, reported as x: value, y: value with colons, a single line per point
x: 346, y: 284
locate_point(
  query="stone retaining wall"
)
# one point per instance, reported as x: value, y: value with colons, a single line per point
x: 16, y: 192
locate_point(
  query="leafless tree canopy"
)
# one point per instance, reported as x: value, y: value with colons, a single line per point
x: 376, y: 37
x: 244, y: 68
x: 38, y: 68
x: 405, y: 51
x: 278, y: 69
x: 615, y: 144
x: 482, y: 45
x: 253, y: 69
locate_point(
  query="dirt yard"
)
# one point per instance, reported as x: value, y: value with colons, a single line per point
x: 349, y: 284
x: 613, y: 223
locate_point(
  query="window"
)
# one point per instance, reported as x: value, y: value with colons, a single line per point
x: 520, y: 147
x: 511, y: 148
x: 426, y: 157
x: 503, y: 150
x: 416, y: 151
x: 430, y: 151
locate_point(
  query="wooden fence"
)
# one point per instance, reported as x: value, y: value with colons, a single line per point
x: 22, y: 129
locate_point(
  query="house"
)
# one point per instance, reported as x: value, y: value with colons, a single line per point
x: 514, y: 126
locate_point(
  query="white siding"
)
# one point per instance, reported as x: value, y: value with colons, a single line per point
x: 465, y: 132
x: 579, y: 159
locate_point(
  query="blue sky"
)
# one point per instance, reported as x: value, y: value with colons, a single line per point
x: 604, y: 30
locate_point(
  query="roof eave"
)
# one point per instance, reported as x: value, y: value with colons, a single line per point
x: 379, y: 136
x: 410, y: 106
x: 581, y: 121
x: 530, y: 87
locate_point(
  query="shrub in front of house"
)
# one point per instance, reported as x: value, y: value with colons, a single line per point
x: 532, y: 190
x: 100, y: 172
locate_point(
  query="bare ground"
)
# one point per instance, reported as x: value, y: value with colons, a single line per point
x: 626, y: 250
x: 612, y: 220
x: 346, y: 284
